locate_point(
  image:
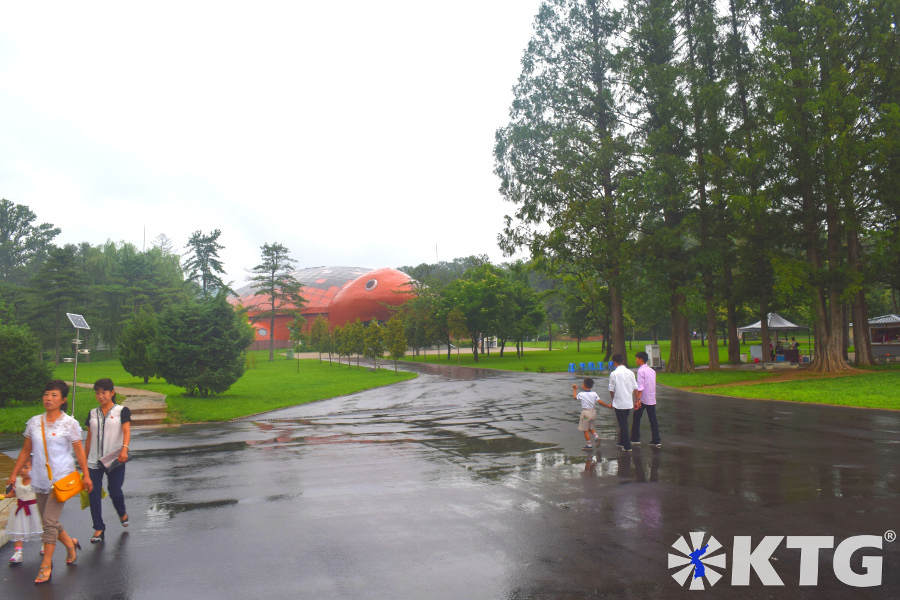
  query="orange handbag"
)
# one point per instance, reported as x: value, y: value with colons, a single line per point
x: 67, y: 487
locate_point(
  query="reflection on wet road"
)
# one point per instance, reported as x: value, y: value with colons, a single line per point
x: 472, y: 484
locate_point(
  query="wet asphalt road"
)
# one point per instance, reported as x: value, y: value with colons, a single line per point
x: 471, y: 484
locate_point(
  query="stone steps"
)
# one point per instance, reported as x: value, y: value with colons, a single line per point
x: 146, y: 410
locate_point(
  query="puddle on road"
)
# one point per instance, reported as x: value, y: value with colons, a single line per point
x: 465, y: 445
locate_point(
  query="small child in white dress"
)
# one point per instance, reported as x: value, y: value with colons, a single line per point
x: 25, y: 524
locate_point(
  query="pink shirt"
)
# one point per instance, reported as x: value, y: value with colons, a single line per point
x: 646, y: 384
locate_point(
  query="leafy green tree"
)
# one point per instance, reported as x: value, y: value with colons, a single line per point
x: 374, y: 342
x: 23, y: 373
x: 418, y: 315
x: 320, y: 337
x: 56, y: 289
x: 297, y: 331
x: 712, y: 220
x: 439, y: 275
x: 341, y: 343
x: 355, y: 338
x: 122, y: 279
x: 203, y: 265
x: 821, y: 171
x: 580, y: 317
x: 136, y: 344
x: 201, y: 345
x: 456, y: 326
x: 273, y: 280
x: 659, y: 185
x: 23, y: 244
x: 561, y: 158
x: 522, y: 317
x: 165, y: 244
x: 395, y: 339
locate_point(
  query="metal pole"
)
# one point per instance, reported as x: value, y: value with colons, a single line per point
x: 75, y: 376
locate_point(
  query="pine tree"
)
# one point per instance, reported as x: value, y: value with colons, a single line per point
x: 274, y: 281
x: 203, y: 265
x: 136, y: 344
x: 201, y: 345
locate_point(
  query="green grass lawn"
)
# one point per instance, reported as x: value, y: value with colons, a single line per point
x: 880, y: 389
x: 875, y: 389
x: 269, y: 386
x: 558, y: 359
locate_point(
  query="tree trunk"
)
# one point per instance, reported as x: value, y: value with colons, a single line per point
x: 734, y: 343
x: 618, y: 321
x: 861, y: 339
x: 764, y: 326
x: 272, y: 334
x: 681, y: 357
x: 829, y: 356
x: 713, y: 337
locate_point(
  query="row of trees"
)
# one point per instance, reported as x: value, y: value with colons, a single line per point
x: 165, y: 314
x: 108, y: 283
x: 736, y: 151
x: 370, y: 340
x: 484, y: 301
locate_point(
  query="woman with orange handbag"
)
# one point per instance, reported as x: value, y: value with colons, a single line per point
x: 50, y: 439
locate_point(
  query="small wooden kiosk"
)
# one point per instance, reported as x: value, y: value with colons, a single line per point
x: 884, y: 332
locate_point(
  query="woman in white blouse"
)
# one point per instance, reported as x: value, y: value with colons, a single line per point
x: 62, y: 435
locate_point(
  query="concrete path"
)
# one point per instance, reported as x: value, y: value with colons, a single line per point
x: 472, y: 484
x: 147, y: 408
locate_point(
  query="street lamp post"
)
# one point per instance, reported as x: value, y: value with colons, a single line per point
x: 78, y: 323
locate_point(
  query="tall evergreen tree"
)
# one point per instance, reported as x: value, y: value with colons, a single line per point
x: 712, y: 227
x: 56, y: 289
x: 660, y: 186
x: 203, y: 265
x: 274, y: 281
x: 561, y: 156
x: 23, y: 244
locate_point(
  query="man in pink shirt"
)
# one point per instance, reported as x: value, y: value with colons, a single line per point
x: 646, y: 399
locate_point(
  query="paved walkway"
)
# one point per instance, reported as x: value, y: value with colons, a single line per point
x: 467, y: 483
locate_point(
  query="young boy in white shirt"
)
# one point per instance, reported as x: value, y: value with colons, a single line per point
x: 588, y: 399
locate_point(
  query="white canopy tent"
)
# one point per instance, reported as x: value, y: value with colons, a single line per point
x: 775, y: 323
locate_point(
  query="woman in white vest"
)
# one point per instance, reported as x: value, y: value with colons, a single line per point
x: 109, y: 432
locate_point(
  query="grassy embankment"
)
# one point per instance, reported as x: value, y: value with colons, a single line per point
x: 268, y: 386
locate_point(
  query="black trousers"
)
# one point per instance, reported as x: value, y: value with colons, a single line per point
x: 622, y: 418
x: 654, y: 425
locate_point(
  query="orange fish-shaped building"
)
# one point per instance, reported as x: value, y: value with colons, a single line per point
x: 340, y: 294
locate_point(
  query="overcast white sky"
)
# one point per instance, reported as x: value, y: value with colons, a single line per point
x: 356, y: 133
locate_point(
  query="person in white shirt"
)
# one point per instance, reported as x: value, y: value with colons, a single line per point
x: 50, y: 440
x: 588, y: 399
x: 622, y: 385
